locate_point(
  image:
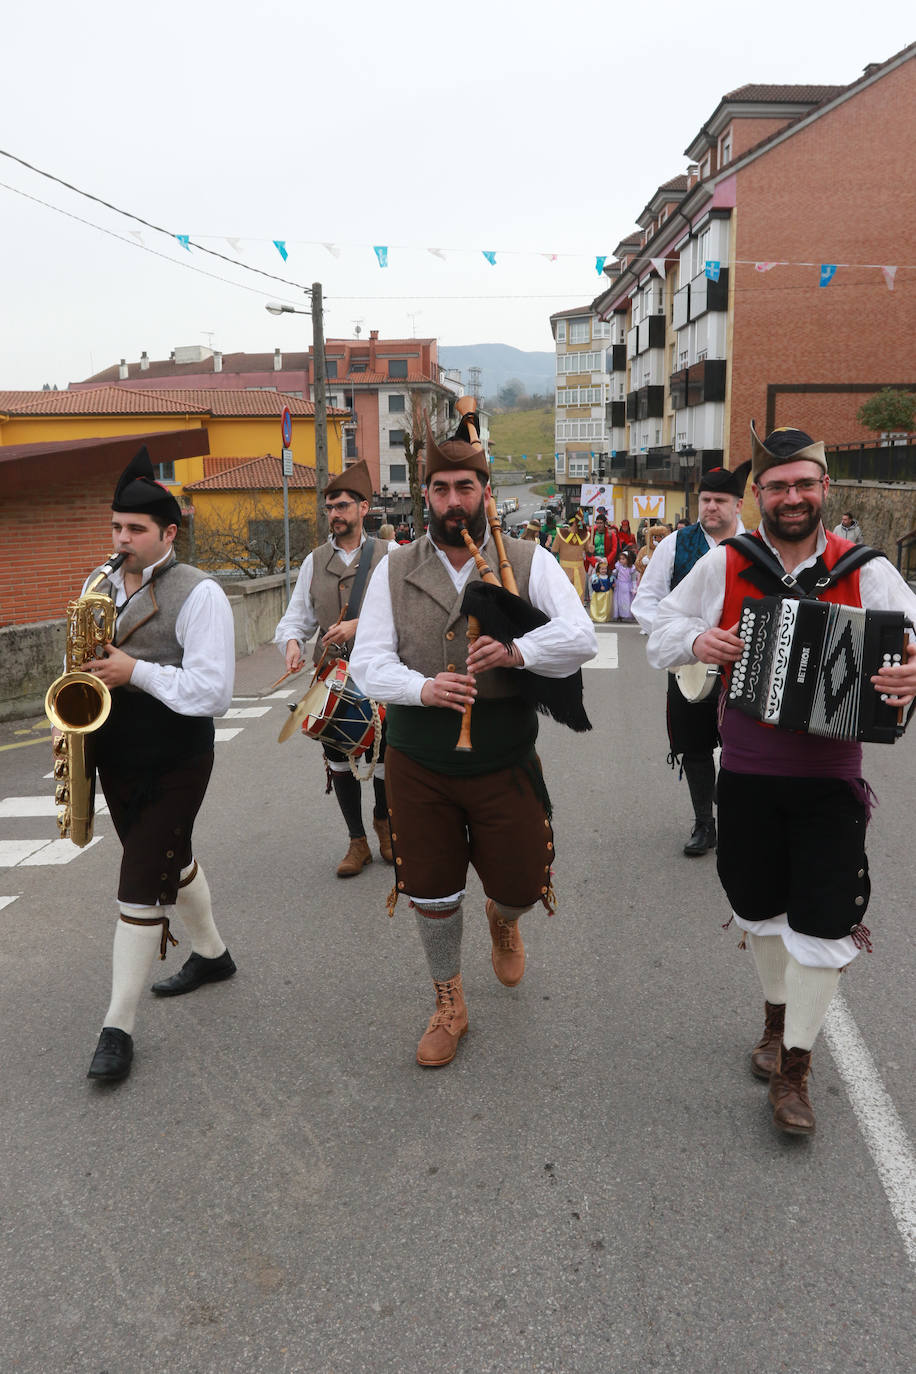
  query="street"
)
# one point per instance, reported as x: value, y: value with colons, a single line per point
x: 593, y: 1185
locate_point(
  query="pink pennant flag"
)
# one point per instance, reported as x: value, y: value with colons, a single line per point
x: 551, y: 257
x: 659, y: 265
x: 889, y: 275
x: 765, y: 266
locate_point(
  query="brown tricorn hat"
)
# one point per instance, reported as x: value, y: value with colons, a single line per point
x: 784, y: 445
x: 355, y: 479
x: 452, y: 455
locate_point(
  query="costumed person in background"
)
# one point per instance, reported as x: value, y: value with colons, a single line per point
x: 693, y: 730
x: 486, y: 805
x: 793, y: 807
x: 533, y: 532
x: 549, y: 531
x: 626, y: 537
x: 332, y: 581
x: 603, y: 542
x: 626, y: 580
x: 602, y: 599
x: 170, y: 670
x: 569, y: 547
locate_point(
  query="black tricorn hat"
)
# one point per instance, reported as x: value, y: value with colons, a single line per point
x: 732, y: 481
x: 138, y: 491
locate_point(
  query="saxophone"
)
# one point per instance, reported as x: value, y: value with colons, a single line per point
x: 76, y: 704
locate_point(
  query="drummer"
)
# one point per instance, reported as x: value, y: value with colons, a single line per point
x: 693, y: 731
x: 331, y: 582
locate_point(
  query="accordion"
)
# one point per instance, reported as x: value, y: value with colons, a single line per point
x: 806, y: 666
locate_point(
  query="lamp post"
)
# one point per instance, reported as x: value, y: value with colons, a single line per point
x: 384, y: 504
x: 686, y: 453
x: 321, y: 400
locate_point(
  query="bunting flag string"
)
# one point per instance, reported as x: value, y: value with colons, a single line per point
x: 828, y: 272
x: 490, y: 257
x: 332, y: 249
x: 184, y: 240
x: 889, y: 275
x: 599, y: 264
x: 280, y: 245
x: 381, y: 252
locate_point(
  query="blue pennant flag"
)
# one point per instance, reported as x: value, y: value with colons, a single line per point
x: 827, y: 271
x: 712, y: 269
x: 280, y: 245
x: 381, y: 252
x: 184, y: 240
x: 599, y: 264
x: 490, y: 257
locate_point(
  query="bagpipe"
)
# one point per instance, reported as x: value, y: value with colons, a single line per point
x: 494, y: 607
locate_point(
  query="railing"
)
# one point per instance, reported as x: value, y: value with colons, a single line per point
x: 874, y: 462
x: 906, y: 556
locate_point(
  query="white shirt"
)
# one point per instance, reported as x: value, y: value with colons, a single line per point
x: 205, y: 629
x: 553, y: 650
x: 655, y: 583
x: 299, y: 620
x: 696, y: 603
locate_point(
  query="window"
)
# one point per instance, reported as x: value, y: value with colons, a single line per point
x: 580, y: 362
x: 560, y: 462
x: 395, y: 403
x: 578, y: 465
x: 396, y: 438
x: 580, y: 396
x: 165, y: 472
x: 359, y: 367
x: 397, y: 367
x: 352, y: 451
x: 579, y: 331
x: 601, y: 329
x: 397, y: 472
x: 561, y: 331
x: 330, y: 365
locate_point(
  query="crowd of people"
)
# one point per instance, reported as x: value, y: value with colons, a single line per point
x: 599, y: 558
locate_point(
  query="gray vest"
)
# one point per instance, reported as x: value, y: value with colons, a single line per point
x: 432, y: 632
x: 332, y: 581
x: 148, y: 620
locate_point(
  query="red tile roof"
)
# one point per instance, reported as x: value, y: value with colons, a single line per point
x: 784, y: 95
x: 123, y: 400
x: 236, y: 400
x: 255, y: 474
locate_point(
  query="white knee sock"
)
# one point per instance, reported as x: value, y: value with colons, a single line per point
x: 809, y: 992
x: 135, y: 949
x: 195, y: 913
x: 771, y: 959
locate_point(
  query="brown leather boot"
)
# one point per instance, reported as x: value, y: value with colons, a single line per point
x: 763, y: 1055
x: 355, y: 859
x: 508, y: 951
x: 383, y: 833
x: 789, y: 1091
x: 439, y: 1044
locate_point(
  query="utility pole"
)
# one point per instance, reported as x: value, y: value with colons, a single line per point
x: 321, y: 413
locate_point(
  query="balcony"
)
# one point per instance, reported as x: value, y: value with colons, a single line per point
x: 616, y: 414
x: 680, y: 310
x: 631, y: 405
x: 651, y: 333
x: 704, y: 381
x: 632, y: 336
x: 708, y: 295
x: 650, y: 403
x: 616, y: 358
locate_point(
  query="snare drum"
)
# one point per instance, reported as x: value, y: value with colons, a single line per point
x: 334, y: 712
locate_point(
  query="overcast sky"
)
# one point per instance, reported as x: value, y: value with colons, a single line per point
x: 519, y: 129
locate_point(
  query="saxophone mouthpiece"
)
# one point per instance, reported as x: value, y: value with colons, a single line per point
x: 114, y: 562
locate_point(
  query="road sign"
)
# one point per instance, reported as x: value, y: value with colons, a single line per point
x: 286, y: 428
x: 287, y: 461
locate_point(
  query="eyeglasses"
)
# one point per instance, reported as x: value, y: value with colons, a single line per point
x: 804, y: 487
x: 339, y: 506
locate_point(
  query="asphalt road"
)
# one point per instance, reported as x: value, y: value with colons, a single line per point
x: 593, y: 1185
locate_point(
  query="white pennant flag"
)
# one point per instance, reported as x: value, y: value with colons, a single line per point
x: 659, y: 265
x: 332, y: 249
x: 437, y: 253
x: 235, y: 245
x: 135, y: 234
x: 889, y: 275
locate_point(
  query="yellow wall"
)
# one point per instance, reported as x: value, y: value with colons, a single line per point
x: 212, y: 507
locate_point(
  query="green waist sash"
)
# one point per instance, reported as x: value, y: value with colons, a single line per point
x: 503, y: 733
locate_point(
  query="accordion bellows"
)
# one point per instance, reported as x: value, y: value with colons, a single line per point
x: 806, y: 666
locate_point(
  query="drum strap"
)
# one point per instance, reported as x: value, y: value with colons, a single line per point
x: 364, y: 566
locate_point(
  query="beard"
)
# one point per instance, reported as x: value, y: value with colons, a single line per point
x: 341, y: 528
x: 793, y: 531
x: 444, y: 528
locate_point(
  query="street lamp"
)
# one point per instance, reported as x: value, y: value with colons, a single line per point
x: 384, y: 505
x: 686, y: 453
x: 321, y: 399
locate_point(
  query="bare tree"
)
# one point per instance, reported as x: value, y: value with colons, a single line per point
x: 436, y: 412
x: 249, y: 539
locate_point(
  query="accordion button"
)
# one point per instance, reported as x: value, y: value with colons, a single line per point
x: 860, y: 901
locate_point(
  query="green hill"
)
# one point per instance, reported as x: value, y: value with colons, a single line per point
x: 523, y: 431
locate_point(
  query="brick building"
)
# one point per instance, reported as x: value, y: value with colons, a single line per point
x: 718, y: 297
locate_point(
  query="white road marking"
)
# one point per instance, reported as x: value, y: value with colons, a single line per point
x: 245, y: 712
x: 220, y: 736
x: 879, y: 1123
x: 13, y: 852
x: 59, y: 852
x: 607, y: 653
x: 36, y: 806
x: 5, y: 901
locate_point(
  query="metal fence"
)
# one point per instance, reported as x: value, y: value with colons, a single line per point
x: 874, y: 462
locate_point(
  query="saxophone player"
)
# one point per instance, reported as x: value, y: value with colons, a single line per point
x: 170, y: 670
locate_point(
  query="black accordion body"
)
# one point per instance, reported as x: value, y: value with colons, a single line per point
x: 806, y: 666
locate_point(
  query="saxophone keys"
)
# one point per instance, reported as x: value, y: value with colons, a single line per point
x: 62, y: 794
x: 61, y: 769
x: 61, y: 747
x: 63, y: 821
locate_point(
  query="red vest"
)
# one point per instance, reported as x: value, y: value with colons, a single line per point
x: 843, y: 593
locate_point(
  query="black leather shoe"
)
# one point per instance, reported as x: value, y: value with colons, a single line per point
x: 193, y: 972
x: 113, y: 1056
x: 702, y: 839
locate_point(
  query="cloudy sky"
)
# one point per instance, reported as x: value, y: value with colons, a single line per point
x: 524, y: 130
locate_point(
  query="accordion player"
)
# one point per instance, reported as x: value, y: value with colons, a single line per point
x: 806, y: 667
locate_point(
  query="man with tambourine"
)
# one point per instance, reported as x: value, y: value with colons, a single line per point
x: 474, y: 794
x: 326, y: 598
x: 693, y: 732
x: 793, y: 805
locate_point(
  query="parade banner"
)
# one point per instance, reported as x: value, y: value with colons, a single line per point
x: 648, y: 505
x: 592, y: 495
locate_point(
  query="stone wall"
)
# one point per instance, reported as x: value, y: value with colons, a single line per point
x: 32, y: 656
x: 885, y: 512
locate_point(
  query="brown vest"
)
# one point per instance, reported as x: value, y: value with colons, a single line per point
x: 331, y: 584
x: 432, y: 632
